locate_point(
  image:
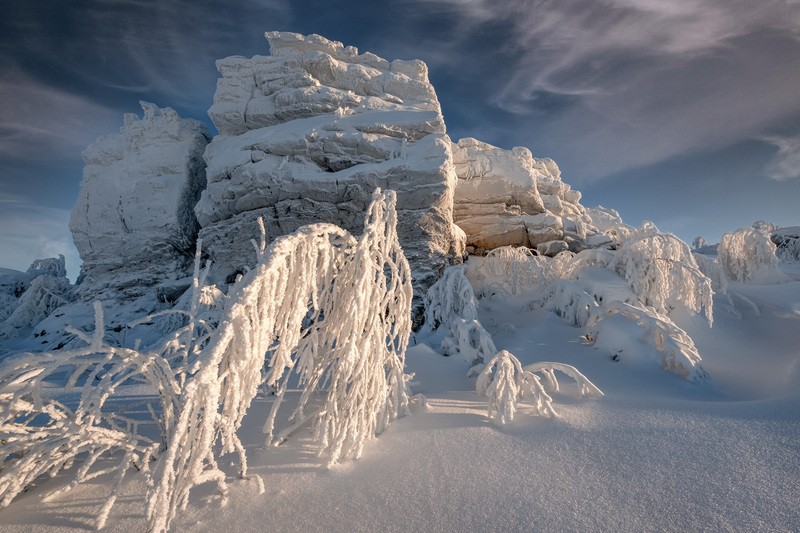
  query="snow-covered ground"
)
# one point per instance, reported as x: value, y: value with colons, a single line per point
x: 656, y: 453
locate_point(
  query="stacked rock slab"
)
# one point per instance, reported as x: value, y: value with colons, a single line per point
x: 508, y: 197
x: 307, y: 133
x: 134, y: 223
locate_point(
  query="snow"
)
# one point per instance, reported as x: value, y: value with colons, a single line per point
x: 655, y: 453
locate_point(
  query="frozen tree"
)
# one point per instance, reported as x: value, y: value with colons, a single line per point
x: 451, y: 308
x: 451, y: 296
x: 678, y: 353
x: 504, y: 381
x: 748, y: 256
x: 663, y: 274
x: 334, y: 310
x: 469, y: 340
x: 513, y: 270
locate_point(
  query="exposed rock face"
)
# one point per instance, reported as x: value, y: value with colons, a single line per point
x: 307, y: 133
x: 508, y: 197
x: 134, y: 223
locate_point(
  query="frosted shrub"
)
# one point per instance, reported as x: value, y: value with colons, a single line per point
x: 787, y: 241
x: 451, y: 296
x: 504, y: 382
x: 469, y: 340
x: 43, y: 436
x: 677, y: 351
x: 662, y: 273
x: 334, y: 310
x: 748, y: 256
x: 513, y: 270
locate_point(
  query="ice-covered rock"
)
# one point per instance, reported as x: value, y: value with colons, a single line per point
x: 134, y: 223
x: 508, y: 197
x: 307, y: 133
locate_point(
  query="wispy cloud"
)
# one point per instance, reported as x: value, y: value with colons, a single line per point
x: 640, y: 81
x: 39, y: 120
x: 785, y: 165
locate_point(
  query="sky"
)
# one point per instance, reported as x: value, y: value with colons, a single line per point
x: 683, y: 112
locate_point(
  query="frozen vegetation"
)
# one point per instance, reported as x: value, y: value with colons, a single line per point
x: 254, y: 311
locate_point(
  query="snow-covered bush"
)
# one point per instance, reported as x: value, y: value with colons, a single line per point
x: 677, y: 350
x: 469, y: 340
x: 334, y: 310
x: 711, y: 268
x: 450, y: 297
x: 748, y: 256
x: 504, y: 382
x: 513, y: 270
x: 43, y: 436
x: 663, y: 274
x: 44, y: 295
x: 787, y: 241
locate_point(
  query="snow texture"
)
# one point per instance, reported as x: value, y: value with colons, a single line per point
x: 134, y: 224
x: 307, y: 133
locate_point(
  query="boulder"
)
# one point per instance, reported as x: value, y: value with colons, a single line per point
x: 508, y: 197
x: 307, y: 133
x: 134, y: 224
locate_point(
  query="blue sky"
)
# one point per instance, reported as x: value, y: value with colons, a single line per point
x: 684, y: 112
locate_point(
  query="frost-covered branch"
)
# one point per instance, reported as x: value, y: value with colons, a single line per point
x: 44, y: 436
x: 504, y: 382
x: 334, y: 310
x: 663, y: 273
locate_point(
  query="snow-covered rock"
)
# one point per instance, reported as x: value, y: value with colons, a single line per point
x: 307, y: 133
x: 787, y: 241
x: 134, y: 223
x: 508, y: 197
x: 28, y: 297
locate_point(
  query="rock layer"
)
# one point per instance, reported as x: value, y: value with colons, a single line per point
x: 134, y: 224
x: 307, y: 133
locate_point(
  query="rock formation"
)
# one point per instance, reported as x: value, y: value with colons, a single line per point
x: 134, y: 224
x: 508, y: 197
x: 307, y: 133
